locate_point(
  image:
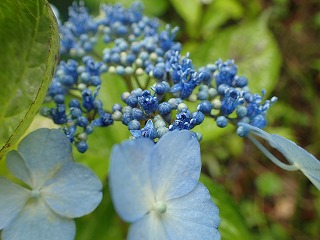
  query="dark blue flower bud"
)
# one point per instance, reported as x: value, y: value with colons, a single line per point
x: 222, y: 121
x: 82, y: 146
x: 76, y: 112
x: 82, y: 121
x: 134, y: 125
x: 132, y: 100
x: 158, y: 72
x: 116, y: 107
x: 197, y: 118
x: 137, y: 114
x: 259, y: 121
x: 241, y: 81
x: 126, y: 118
x: 164, y: 108
x: 205, y: 107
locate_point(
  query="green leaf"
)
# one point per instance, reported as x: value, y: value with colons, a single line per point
x: 29, y: 41
x: 232, y: 224
x: 112, y: 87
x: 218, y: 13
x: 148, y: 5
x: 191, y: 12
x: 151, y: 10
x: 252, y: 46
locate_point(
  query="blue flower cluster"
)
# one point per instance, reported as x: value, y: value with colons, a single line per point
x: 83, y: 111
x: 161, y: 81
x: 78, y: 34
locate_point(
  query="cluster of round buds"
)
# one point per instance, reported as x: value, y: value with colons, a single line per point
x: 78, y: 33
x: 146, y: 116
x: 235, y: 96
x: 222, y: 95
x: 73, y: 92
x: 143, y: 55
x: 140, y: 53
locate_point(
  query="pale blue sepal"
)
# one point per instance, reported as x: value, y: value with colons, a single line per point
x: 149, y: 227
x: 268, y: 137
x: 44, y: 152
x: 297, y: 156
x: 288, y: 167
x: 17, y: 167
x: 193, y: 216
x: 38, y: 222
x: 129, y: 178
x: 12, y: 199
x: 74, y: 191
x: 176, y: 168
x: 305, y: 161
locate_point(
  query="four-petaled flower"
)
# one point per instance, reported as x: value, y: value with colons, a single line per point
x: 155, y: 187
x: 59, y: 189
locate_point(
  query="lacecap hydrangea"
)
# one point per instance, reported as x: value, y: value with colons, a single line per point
x: 160, y: 80
x: 154, y: 177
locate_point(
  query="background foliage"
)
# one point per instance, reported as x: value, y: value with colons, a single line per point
x: 276, y: 45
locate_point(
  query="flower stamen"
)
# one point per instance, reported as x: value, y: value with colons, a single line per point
x: 160, y: 207
x: 35, y: 193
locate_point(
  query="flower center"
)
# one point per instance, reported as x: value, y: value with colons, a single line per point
x: 160, y: 207
x: 35, y: 193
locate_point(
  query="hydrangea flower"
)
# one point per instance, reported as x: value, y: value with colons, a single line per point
x: 58, y: 189
x: 155, y: 187
x: 139, y: 52
x: 298, y: 158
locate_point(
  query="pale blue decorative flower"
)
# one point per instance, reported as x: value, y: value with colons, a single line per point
x: 58, y: 189
x: 155, y: 187
x: 298, y: 158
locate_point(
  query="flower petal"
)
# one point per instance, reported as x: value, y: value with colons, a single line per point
x: 12, y: 199
x: 294, y: 154
x: 176, y: 165
x: 74, y: 191
x: 148, y: 227
x: 37, y: 222
x: 129, y: 178
x: 193, y: 216
x: 305, y: 161
x: 44, y: 152
x: 17, y: 167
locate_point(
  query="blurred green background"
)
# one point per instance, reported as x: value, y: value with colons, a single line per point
x: 276, y: 44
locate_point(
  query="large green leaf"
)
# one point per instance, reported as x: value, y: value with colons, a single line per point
x: 232, y: 226
x: 191, y: 12
x: 218, y: 13
x: 149, y: 5
x: 29, y: 40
